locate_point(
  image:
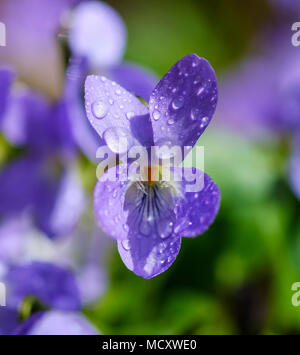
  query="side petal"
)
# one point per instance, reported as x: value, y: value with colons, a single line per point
x: 56, y: 322
x: 111, y: 111
x: 135, y: 79
x: 109, y: 197
x: 196, y: 211
x: 52, y: 285
x: 98, y: 33
x: 183, y: 102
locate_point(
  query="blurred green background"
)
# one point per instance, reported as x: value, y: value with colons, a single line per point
x: 237, y: 277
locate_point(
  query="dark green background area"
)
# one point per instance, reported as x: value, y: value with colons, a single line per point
x: 237, y: 277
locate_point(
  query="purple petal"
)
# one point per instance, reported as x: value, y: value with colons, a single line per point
x: 143, y: 224
x: 84, y: 134
x: 14, y: 197
x: 12, y: 239
x: 51, y: 285
x: 57, y: 323
x: 110, y: 109
x: 8, y: 320
x: 135, y: 79
x: 196, y: 211
x: 98, y: 33
x: 60, y: 204
x: 183, y: 102
x: 109, y: 201
x: 295, y: 167
x: 6, y: 79
x: 24, y: 119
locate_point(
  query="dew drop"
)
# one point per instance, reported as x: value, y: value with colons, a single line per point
x: 195, y: 114
x: 126, y: 244
x: 200, y: 91
x: 171, y: 121
x: 129, y: 115
x: 118, y: 92
x: 99, y: 109
x: 118, y: 139
x: 156, y: 115
x: 178, y: 103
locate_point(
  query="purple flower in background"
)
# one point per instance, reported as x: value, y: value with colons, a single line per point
x: 97, y: 40
x: 262, y: 98
x: 51, y: 285
x: 43, y: 181
x: 56, y: 322
x: 6, y: 78
x: 148, y: 219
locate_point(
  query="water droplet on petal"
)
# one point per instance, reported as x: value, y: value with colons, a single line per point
x: 118, y: 92
x: 118, y: 139
x: 129, y: 115
x: 126, y: 244
x: 171, y: 121
x: 178, y: 103
x: 200, y: 91
x: 156, y: 115
x: 99, y: 109
x: 195, y: 114
x: 204, y: 121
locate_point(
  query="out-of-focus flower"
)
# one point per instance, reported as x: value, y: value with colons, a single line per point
x: 61, y: 275
x: 148, y: 219
x: 262, y: 98
x: 44, y: 180
x: 82, y: 253
x: 6, y: 78
x: 56, y: 322
x: 97, y: 39
x: 32, y: 47
x: 51, y: 285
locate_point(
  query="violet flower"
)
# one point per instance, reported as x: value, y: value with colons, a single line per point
x: 149, y: 222
x: 44, y: 179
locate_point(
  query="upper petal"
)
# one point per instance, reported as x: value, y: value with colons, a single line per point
x: 196, y: 211
x: 183, y: 102
x: 112, y: 111
x: 98, y: 33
